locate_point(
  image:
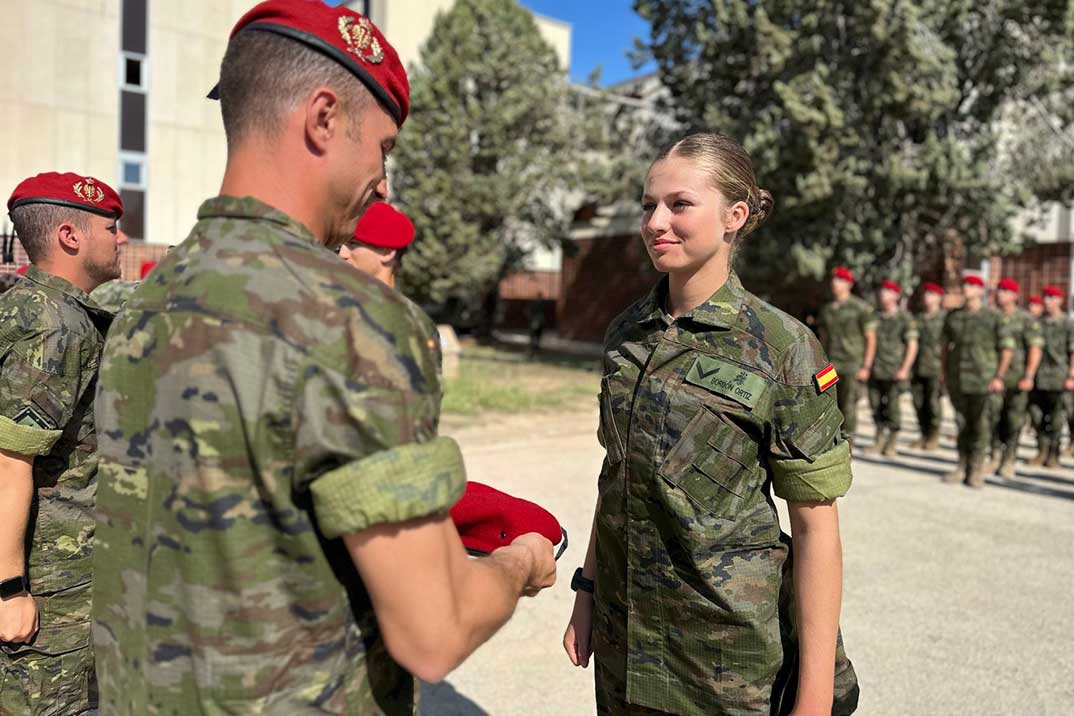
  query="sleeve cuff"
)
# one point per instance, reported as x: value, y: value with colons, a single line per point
x: 26, y: 440
x: 404, y: 483
x: 826, y: 478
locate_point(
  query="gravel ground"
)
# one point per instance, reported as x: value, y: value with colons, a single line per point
x: 956, y: 601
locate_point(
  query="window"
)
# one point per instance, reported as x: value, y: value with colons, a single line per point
x: 135, y: 14
x: 132, y: 121
x: 133, y: 220
x: 133, y: 72
x: 132, y: 170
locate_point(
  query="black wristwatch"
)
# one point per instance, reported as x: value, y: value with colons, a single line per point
x: 14, y: 587
x: 580, y: 583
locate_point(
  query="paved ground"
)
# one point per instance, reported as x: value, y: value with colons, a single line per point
x: 956, y: 601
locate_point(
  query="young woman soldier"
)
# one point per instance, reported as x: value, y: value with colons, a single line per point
x: 709, y: 396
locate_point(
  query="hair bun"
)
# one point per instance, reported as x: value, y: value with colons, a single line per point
x: 765, y: 204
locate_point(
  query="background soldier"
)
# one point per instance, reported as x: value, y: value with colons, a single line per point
x: 1056, y: 374
x: 896, y: 348
x: 926, y: 386
x: 379, y: 243
x: 1010, y: 417
x: 1036, y: 309
x: 273, y: 531
x: 847, y: 328
x: 49, y: 354
x: 976, y: 355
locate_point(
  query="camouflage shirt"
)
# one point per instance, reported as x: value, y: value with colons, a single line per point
x: 1025, y: 330
x: 259, y: 398
x: 51, y: 334
x: 893, y: 333
x: 113, y: 294
x: 974, y: 341
x: 929, y: 362
x: 702, y: 418
x: 843, y: 327
x: 1058, y: 345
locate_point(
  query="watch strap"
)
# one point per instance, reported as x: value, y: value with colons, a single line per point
x: 14, y: 586
x: 580, y: 583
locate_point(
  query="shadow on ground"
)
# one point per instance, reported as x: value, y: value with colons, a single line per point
x: 443, y: 700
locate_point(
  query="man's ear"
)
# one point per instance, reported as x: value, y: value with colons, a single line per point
x: 323, y: 118
x: 388, y: 257
x: 70, y: 238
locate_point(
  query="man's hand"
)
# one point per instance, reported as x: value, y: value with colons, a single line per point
x: 18, y: 619
x: 863, y: 375
x: 902, y: 374
x: 1025, y: 385
x: 1068, y: 384
x: 996, y: 386
x: 543, y: 567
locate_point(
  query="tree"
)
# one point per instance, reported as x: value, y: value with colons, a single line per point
x: 487, y: 161
x: 877, y: 124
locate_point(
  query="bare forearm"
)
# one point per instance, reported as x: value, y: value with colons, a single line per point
x: 589, y: 566
x: 1004, y: 363
x: 911, y: 355
x: 1033, y: 362
x: 818, y: 577
x: 16, y: 496
x: 486, y: 595
x: 870, y: 349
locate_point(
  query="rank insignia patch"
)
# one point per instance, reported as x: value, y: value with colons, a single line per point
x: 31, y: 417
x: 826, y: 378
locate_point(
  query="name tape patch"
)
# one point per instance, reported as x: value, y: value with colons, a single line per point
x: 727, y: 379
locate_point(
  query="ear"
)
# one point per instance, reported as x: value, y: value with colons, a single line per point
x: 387, y: 258
x: 70, y: 237
x: 736, y: 216
x: 323, y: 118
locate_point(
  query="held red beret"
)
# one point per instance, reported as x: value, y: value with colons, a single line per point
x: 891, y: 286
x: 843, y: 272
x: 73, y: 190
x: 1036, y: 299
x: 145, y: 268
x: 931, y: 287
x: 21, y: 270
x: 973, y: 280
x: 488, y: 519
x: 346, y: 36
x: 1050, y: 290
x: 385, y: 226
x: 1008, y: 284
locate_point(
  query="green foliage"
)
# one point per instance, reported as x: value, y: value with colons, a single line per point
x: 875, y: 123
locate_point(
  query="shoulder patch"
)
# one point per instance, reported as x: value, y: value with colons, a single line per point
x: 727, y: 379
x: 825, y: 379
x: 32, y: 417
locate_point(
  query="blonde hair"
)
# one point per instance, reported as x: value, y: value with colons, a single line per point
x: 730, y: 171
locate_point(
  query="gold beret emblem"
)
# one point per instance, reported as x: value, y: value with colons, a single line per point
x: 360, y: 40
x: 88, y: 191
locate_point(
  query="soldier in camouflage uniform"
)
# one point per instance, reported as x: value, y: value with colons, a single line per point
x: 51, y: 334
x: 896, y: 349
x: 274, y: 534
x: 707, y: 404
x: 847, y: 328
x: 977, y: 351
x: 1011, y: 414
x: 926, y: 385
x: 112, y: 295
x: 383, y: 235
x: 1056, y: 374
x: 8, y: 280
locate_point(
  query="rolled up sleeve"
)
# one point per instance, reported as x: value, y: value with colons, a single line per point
x: 826, y: 477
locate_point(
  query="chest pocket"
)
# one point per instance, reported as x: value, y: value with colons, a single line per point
x: 609, y: 435
x: 714, y: 464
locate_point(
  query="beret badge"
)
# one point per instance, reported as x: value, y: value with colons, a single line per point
x: 88, y: 191
x: 360, y: 40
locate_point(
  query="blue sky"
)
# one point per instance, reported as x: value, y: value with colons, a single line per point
x: 603, y: 32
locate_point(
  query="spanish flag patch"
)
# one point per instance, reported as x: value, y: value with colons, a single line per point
x: 826, y: 378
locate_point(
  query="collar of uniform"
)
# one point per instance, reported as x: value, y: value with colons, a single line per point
x: 62, y: 285
x: 247, y: 207
x: 720, y: 310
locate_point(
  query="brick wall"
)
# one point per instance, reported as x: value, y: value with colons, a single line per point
x: 131, y: 257
x: 1035, y: 268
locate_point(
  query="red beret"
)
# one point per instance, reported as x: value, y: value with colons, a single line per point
x: 488, y: 519
x: 146, y: 267
x: 1008, y: 284
x: 973, y: 280
x: 1036, y: 299
x: 21, y: 270
x: 891, y: 286
x: 931, y: 287
x: 385, y: 226
x: 843, y: 272
x: 1053, y: 291
x: 346, y: 36
x: 73, y: 190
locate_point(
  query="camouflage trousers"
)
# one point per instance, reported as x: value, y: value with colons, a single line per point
x: 1068, y: 408
x: 54, y: 674
x: 847, y: 391
x: 927, y: 394
x: 973, y: 414
x: 1009, y: 417
x: 1050, y: 404
x: 884, y: 401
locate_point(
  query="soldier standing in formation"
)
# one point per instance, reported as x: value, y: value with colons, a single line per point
x: 382, y: 238
x: 51, y: 335
x: 927, y: 384
x: 976, y: 355
x: 711, y: 397
x: 847, y: 329
x: 1056, y: 374
x: 273, y: 531
x: 1012, y: 405
x: 896, y: 349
